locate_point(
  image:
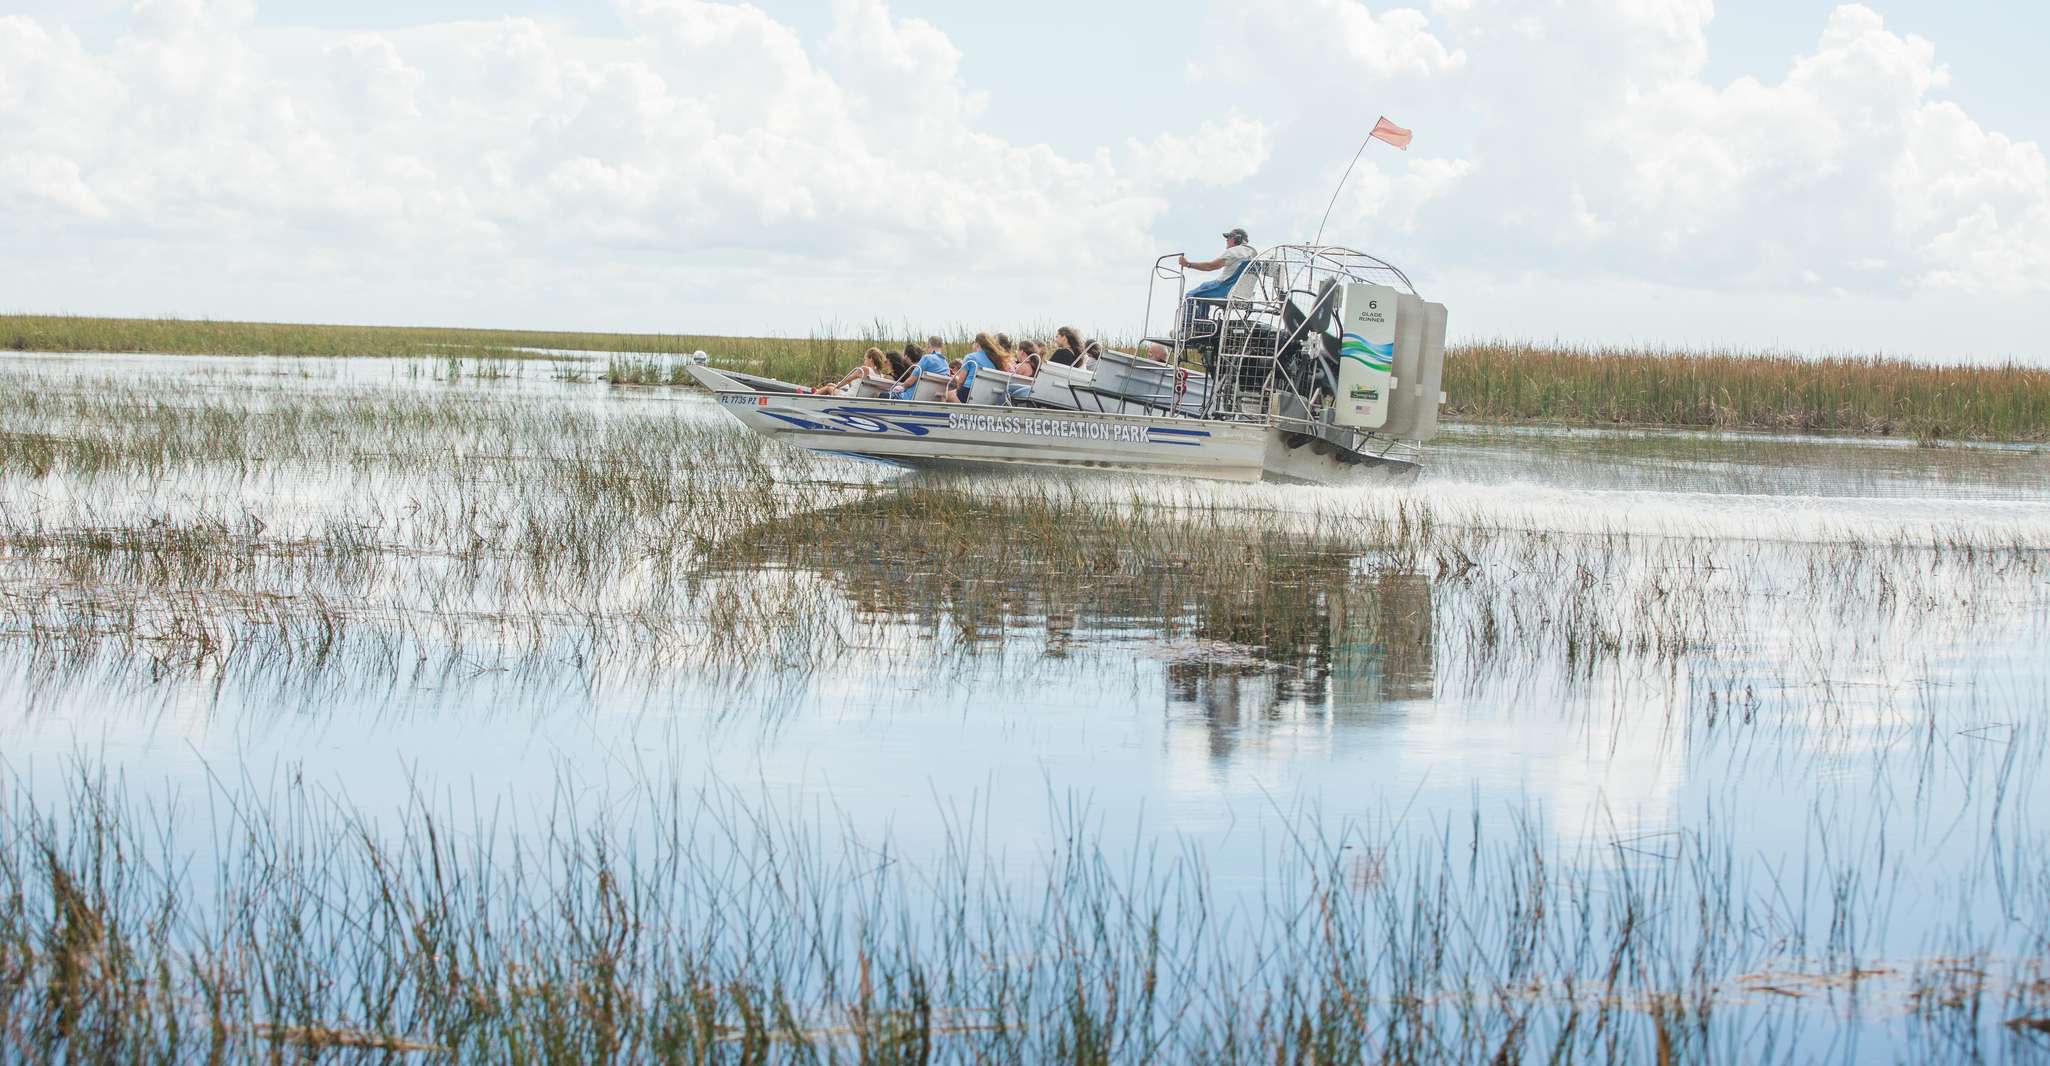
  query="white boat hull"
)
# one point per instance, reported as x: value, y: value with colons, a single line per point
x: 941, y: 435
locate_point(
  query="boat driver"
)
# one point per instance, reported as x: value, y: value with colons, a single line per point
x: 1238, y: 251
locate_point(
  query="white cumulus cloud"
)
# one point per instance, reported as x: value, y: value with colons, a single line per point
x: 713, y: 131
x: 716, y: 168
x: 1217, y: 153
x: 1343, y: 37
x: 1849, y: 170
x: 1847, y: 162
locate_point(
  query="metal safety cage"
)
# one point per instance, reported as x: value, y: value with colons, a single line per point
x: 1267, y: 345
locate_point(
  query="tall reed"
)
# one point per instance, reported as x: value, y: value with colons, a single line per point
x: 1517, y: 381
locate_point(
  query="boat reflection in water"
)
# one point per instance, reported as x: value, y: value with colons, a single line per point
x: 1357, y: 647
x: 1260, y: 636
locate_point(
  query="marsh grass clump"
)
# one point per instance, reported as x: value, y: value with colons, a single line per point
x: 699, y: 926
x: 641, y: 370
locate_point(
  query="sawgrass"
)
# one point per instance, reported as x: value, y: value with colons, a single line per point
x: 183, y: 336
x: 1517, y: 381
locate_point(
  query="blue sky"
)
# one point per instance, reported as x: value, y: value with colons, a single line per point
x: 1801, y: 175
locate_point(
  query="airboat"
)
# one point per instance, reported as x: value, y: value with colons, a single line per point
x: 1318, y: 365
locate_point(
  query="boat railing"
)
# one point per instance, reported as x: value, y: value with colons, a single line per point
x: 1166, y: 268
x: 1245, y: 365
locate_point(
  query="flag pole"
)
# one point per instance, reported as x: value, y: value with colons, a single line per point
x: 1341, y: 187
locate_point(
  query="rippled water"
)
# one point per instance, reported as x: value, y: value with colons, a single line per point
x: 1837, y: 672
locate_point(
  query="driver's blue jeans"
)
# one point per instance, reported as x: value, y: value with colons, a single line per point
x: 1202, y: 302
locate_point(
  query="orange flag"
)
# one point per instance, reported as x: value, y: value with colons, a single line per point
x: 1385, y: 130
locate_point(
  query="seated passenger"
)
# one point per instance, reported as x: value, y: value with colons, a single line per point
x: 984, y: 353
x: 934, y: 361
x: 872, y: 365
x: 902, y: 362
x: 1024, y: 369
x: 1067, y: 347
x: 1092, y: 352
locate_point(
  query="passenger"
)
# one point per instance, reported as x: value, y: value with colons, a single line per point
x: 934, y: 361
x: 902, y: 362
x: 985, y: 352
x: 902, y: 368
x: 1092, y: 352
x: 873, y: 364
x: 1024, y: 369
x: 1238, y: 251
x: 1067, y: 347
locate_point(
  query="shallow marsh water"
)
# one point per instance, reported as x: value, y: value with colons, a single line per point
x: 1814, y: 668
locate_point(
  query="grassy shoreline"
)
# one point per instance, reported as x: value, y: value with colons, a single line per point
x: 181, y: 336
x: 1493, y: 381
x: 1518, y: 382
